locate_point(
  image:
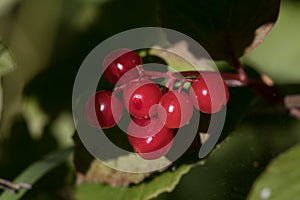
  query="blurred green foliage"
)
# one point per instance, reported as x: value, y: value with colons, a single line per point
x: 49, y: 39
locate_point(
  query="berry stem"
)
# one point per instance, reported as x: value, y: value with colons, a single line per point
x: 181, y: 85
x: 13, y: 187
x: 239, y: 79
x: 240, y: 70
x: 233, y: 80
x: 267, y: 92
x: 170, y: 83
x: 190, y: 73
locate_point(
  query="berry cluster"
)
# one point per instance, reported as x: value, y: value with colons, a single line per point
x: 156, y: 111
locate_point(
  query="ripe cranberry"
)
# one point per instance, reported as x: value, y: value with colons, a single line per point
x: 149, y: 137
x: 119, y: 62
x: 139, y: 97
x: 177, y: 109
x: 103, y: 110
x: 209, y: 93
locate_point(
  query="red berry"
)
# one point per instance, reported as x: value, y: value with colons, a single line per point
x: 103, y: 110
x: 149, y: 138
x: 139, y: 97
x: 178, y: 109
x: 119, y: 62
x: 209, y: 93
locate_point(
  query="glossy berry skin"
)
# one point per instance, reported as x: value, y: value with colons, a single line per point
x: 103, y: 110
x: 209, y: 93
x: 118, y: 63
x: 177, y: 109
x: 149, y: 138
x: 139, y: 97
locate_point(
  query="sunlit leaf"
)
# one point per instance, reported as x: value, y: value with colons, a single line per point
x: 7, y: 5
x: 147, y: 190
x: 6, y: 60
x: 278, y: 55
x: 186, y: 61
x: 281, y: 180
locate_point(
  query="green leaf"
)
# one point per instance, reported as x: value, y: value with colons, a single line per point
x: 35, y: 171
x: 226, y: 29
x: 284, y: 43
x: 147, y: 190
x: 6, y: 64
x: 281, y: 180
x: 6, y: 61
x: 186, y: 61
x: 91, y: 170
x: 7, y: 5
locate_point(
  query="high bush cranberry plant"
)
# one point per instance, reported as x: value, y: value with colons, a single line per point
x: 227, y: 30
x: 156, y: 109
x: 261, y: 113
